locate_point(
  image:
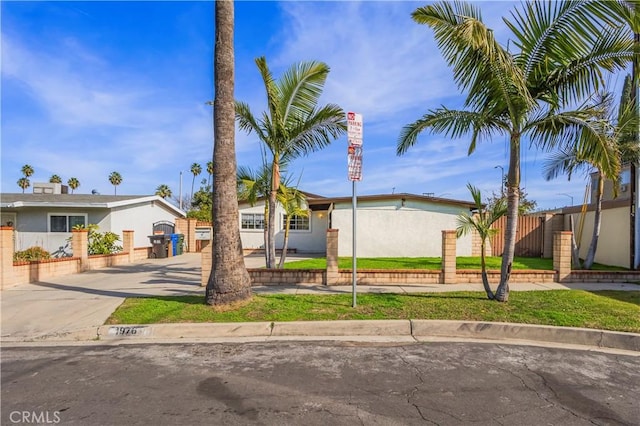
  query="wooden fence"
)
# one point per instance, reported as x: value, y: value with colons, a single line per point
x: 529, y: 236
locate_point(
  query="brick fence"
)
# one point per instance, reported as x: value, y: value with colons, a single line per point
x: 15, y: 273
x: 448, y: 274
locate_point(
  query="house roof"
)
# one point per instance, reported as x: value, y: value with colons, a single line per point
x: 318, y: 202
x: 81, y: 201
x: 390, y: 197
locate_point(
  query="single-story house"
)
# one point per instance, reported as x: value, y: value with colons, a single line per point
x: 46, y: 219
x: 388, y: 225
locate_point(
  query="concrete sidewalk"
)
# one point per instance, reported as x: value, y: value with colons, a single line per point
x: 75, y: 307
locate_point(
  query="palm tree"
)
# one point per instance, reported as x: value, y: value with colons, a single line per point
x: 27, y: 171
x: 24, y: 183
x: 253, y: 185
x: 524, y: 93
x: 163, y: 191
x: 55, y: 179
x: 294, y: 125
x: 618, y: 133
x: 73, y: 183
x: 229, y: 279
x: 196, y: 169
x: 295, y: 204
x: 209, y: 171
x: 115, y: 180
x: 481, y: 223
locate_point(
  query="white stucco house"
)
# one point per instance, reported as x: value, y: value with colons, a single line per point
x: 46, y: 219
x: 388, y: 225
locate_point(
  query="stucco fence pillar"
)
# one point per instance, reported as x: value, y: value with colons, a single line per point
x: 562, y: 255
x: 6, y: 251
x: 127, y: 245
x: 187, y: 227
x: 332, y: 275
x: 80, y: 247
x: 449, y: 257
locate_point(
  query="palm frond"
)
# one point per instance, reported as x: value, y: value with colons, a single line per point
x: 300, y: 88
x: 453, y: 123
x: 316, y: 131
x: 248, y: 123
x: 562, y: 161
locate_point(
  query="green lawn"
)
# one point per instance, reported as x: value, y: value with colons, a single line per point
x: 608, y: 310
x: 432, y: 263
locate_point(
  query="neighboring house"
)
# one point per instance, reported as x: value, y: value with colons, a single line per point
x: 46, y: 219
x: 624, y: 192
x: 389, y: 225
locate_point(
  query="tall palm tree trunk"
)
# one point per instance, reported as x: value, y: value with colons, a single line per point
x: 271, y: 243
x: 266, y: 233
x: 513, y: 199
x: 283, y: 255
x: 229, y: 280
x: 597, y: 220
x: 275, y: 184
x: 483, y: 266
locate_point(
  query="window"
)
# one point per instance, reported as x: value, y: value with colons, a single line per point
x: 298, y: 223
x: 252, y: 221
x: 62, y: 222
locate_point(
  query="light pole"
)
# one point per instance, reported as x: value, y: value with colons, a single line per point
x: 501, y: 179
x: 180, y: 200
x: 567, y: 195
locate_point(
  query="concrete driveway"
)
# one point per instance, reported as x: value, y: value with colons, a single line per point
x: 71, y: 303
x: 74, y: 302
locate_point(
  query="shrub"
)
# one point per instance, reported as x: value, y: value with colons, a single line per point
x: 34, y: 253
x: 101, y: 242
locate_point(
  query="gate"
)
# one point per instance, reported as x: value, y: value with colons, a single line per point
x: 529, y: 236
x: 163, y: 227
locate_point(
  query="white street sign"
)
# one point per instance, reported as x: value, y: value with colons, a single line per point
x: 354, y: 128
x: 354, y: 161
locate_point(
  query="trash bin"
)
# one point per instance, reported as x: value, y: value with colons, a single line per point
x: 175, y: 239
x: 180, y: 243
x: 158, y: 246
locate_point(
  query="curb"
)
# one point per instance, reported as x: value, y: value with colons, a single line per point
x: 345, y: 330
x: 418, y: 330
x: 538, y: 333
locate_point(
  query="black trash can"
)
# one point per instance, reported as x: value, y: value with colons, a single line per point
x: 159, y: 245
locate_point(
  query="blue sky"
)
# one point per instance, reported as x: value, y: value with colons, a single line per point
x: 94, y: 87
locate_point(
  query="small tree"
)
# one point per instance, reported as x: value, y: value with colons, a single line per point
x: 27, y: 170
x: 163, y: 191
x: 24, y: 183
x: 295, y: 204
x: 73, y: 183
x: 116, y: 179
x: 196, y: 169
x: 481, y: 222
x: 209, y: 171
x: 100, y: 242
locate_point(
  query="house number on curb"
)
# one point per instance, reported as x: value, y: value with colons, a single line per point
x: 128, y: 331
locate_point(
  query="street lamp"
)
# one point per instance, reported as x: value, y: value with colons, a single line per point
x: 567, y: 195
x: 501, y: 179
x: 180, y: 200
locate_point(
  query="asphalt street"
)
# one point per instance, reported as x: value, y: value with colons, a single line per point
x: 318, y: 383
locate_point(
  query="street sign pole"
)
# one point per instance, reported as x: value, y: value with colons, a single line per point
x: 354, y: 160
x: 354, y: 202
